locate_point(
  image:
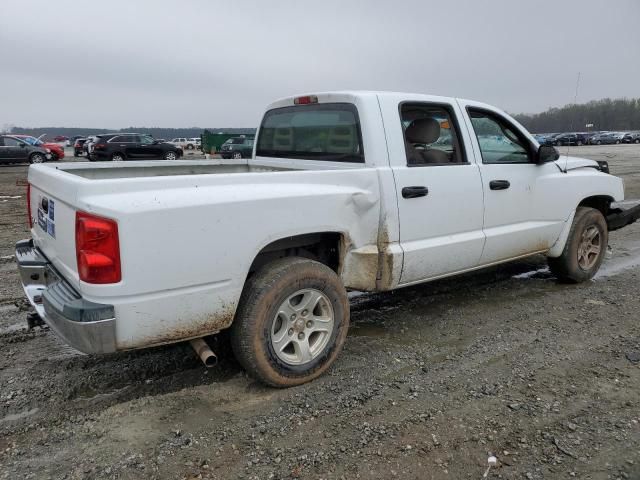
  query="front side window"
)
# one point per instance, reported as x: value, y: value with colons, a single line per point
x: 430, y: 134
x: 146, y: 140
x: 499, y: 141
x: 327, y: 131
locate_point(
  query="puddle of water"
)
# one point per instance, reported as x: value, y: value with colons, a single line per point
x: 19, y: 416
x: 617, y: 266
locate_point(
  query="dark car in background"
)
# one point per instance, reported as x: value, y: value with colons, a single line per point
x: 16, y: 150
x: 572, y: 139
x: 131, y: 146
x: 631, y: 137
x: 57, y: 151
x: 77, y: 147
x: 605, y: 138
x: 237, y: 147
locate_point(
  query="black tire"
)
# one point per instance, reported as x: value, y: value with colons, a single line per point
x: 37, y: 158
x: 579, y: 143
x: 598, y: 142
x: 566, y: 267
x: 190, y: 146
x: 261, y: 299
x: 171, y: 155
x: 75, y: 154
x: 637, y: 140
x: 237, y: 155
x: 118, y: 157
x: 617, y: 142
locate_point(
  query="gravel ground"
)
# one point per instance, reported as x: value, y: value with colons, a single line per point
x: 432, y: 380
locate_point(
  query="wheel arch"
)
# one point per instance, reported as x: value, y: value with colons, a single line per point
x: 599, y: 202
x: 326, y: 247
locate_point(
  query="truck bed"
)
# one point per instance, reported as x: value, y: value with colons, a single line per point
x: 137, y: 169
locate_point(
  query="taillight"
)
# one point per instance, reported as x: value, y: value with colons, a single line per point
x: 306, y: 100
x: 97, y: 249
x: 99, y: 146
x: 29, y: 206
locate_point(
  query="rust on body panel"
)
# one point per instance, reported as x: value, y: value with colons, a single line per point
x: 185, y: 330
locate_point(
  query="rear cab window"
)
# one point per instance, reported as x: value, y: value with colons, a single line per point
x: 326, y: 131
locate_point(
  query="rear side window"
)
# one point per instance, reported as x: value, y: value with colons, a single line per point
x: 328, y: 131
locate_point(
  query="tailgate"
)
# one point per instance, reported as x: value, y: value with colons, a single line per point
x: 53, y: 217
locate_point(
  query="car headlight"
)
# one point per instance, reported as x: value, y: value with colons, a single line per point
x: 47, y: 150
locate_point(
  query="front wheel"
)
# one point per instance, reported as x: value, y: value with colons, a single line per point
x: 170, y: 156
x: 291, y: 323
x: 237, y: 155
x: 617, y: 142
x: 585, y: 248
x: 36, y: 158
x: 117, y: 157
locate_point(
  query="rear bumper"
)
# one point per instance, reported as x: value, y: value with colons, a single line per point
x: 86, y: 326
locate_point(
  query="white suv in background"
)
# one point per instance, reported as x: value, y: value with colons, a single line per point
x: 186, y: 143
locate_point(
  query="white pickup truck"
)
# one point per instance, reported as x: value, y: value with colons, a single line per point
x: 345, y: 191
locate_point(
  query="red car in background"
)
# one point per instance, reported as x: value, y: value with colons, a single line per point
x: 57, y: 151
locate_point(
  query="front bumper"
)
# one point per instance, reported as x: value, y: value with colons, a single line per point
x: 86, y: 326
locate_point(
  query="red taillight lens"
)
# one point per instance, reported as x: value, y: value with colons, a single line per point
x: 97, y: 249
x: 29, y: 206
x: 306, y: 100
x: 99, y: 146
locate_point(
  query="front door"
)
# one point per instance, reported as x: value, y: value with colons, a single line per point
x: 439, y: 190
x: 524, y: 206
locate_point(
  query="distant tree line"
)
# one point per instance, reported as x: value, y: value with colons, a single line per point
x: 606, y: 114
x: 166, y: 133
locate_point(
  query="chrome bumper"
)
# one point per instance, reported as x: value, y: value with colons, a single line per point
x: 86, y: 326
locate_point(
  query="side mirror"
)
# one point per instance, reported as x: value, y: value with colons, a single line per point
x: 22, y: 145
x: 546, y: 154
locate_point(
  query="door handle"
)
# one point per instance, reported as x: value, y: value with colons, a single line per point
x: 415, y: 192
x: 499, y: 184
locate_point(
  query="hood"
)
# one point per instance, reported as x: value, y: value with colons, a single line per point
x: 571, y: 163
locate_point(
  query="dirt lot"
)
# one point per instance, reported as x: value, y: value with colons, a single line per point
x: 433, y: 379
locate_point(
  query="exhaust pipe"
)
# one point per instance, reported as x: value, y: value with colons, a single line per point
x: 204, y: 352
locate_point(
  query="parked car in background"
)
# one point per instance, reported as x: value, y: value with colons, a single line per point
x: 237, y: 147
x: 619, y: 136
x: 196, y: 142
x: 57, y: 152
x: 572, y: 139
x: 132, y: 146
x: 88, y: 144
x: 59, y: 138
x: 606, y: 138
x: 77, y: 146
x: 631, y: 137
x: 16, y: 150
x: 185, y: 143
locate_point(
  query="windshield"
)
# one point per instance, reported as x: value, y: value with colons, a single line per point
x: 329, y: 132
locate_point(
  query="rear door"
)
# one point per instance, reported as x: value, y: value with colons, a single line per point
x: 438, y: 185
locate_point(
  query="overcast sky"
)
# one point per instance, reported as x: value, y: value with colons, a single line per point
x: 171, y: 63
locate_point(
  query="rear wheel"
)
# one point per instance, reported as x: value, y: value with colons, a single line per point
x: 36, y: 158
x: 637, y: 140
x: 617, y: 142
x: 291, y: 323
x: 585, y: 248
x: 579, y: 143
